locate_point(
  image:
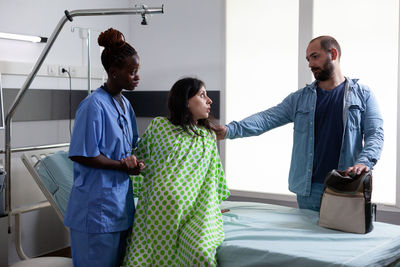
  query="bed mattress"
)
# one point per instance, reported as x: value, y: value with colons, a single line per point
x: 258, y: 234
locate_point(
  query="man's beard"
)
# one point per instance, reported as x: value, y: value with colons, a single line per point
x: 326, y: 71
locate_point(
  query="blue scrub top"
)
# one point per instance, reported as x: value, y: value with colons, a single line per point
x: 101, y: 200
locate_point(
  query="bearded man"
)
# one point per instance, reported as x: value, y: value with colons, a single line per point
x: 337, y: 124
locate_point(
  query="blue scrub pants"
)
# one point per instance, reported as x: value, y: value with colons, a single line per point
x: 313, y: 201
x: 98, y: 249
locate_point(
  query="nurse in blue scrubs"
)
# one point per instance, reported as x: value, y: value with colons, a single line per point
x: 101, y: 207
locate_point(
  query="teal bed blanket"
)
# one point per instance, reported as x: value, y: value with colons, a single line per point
x: 259, y: 234
x: 57, y: 175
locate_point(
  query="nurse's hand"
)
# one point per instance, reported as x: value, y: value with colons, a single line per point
x: 138, y: 169
x: 131, y: 165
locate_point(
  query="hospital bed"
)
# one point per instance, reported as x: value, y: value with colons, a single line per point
x: 256, y: 234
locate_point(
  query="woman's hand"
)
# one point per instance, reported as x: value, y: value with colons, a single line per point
x: 132, y: 165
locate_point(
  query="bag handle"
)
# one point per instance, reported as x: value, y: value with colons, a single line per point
x: 337, y: 181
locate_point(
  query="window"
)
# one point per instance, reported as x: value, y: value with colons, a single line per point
x: 262, y: 68
x: 262, y: 38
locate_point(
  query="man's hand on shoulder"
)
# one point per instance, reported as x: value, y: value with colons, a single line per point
x: 220, y: 131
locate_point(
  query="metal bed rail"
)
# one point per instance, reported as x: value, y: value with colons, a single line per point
x: 30, y: 148
x: 17, y: 213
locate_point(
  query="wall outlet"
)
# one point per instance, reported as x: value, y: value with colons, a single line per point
x: 60, y: 68
x: 52, y: 70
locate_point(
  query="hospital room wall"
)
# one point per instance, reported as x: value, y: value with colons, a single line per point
x: 188, y: 40
x: 185, y: 41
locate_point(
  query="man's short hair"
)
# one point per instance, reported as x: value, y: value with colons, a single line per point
x: 327, y: 43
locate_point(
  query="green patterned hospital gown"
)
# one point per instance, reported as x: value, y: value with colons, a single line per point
x: 178, y: 220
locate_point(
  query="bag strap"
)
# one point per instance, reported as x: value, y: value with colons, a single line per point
x: 368, y: 186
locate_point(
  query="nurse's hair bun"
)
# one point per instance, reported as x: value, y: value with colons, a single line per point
x: 111, y: 39
x: 116, y: 50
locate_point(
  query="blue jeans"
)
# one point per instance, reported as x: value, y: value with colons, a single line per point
x: 313, y: 201
x: 98, y: 249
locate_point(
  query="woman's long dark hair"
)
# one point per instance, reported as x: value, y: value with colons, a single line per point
x: 178, y: 100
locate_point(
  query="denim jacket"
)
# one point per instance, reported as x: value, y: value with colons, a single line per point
x: 362, y: 137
